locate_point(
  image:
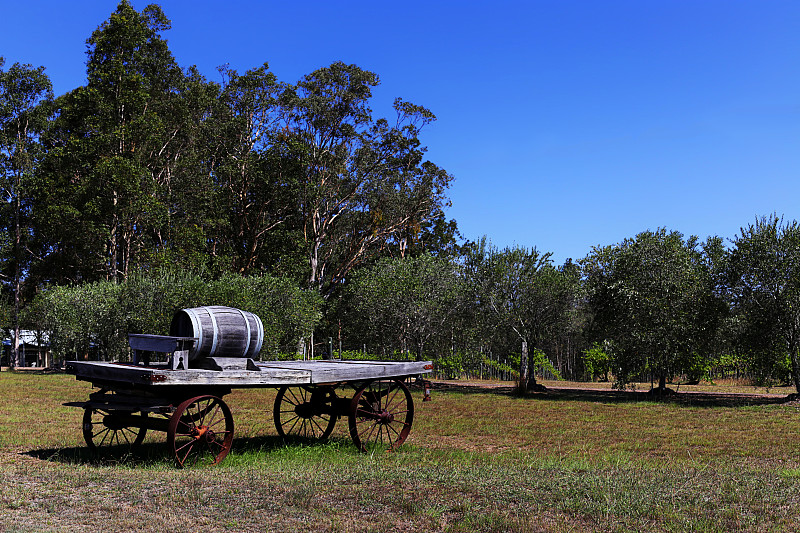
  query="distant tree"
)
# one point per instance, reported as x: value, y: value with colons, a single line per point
x: 361, y: 182
x: 25, y: 93
x: 764, y: 277
x: 119, y: 149
x: 406, y: 304
x: 653, y: 297
x: 256, y: 189
x: 519, y: 290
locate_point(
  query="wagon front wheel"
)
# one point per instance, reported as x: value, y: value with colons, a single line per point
x: 305, y: 412
x: 200, y: 431
x: 103, y: 429
x: 381, y: 414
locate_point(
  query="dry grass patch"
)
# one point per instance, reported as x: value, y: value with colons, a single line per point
x: 477, y: 460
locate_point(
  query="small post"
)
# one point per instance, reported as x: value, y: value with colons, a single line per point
x: 329, y: 351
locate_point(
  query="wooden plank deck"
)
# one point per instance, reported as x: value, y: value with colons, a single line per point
x: 269, y: 373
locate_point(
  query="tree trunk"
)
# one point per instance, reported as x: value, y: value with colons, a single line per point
x: 17, y: 273
x: 522, y: 388
x: 795, y: 369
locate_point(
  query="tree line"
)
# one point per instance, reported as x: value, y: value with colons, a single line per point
x: 655, y: 307
x: 151, y: 167
x: 152, y: 188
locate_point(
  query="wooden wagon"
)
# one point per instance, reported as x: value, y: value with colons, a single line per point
x: 183, y: 396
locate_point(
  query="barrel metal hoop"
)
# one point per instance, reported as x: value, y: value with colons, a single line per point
x: 247, y: 325
x: 261, y: 334
x: 197, y: 329
x: 213, y: 330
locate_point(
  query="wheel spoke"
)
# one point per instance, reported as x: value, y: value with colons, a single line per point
x: 304, y: 412
x: 103, y: 434
x: 188, y: 443
x: 182, y: 460
x: 371, y: 430
x: 295, y: 417
x: 297, y: 420
x: 381, y: 415
x: 314, y: 424
x: 297, y: 401
x: 191, y: 434
x: 390, y: 401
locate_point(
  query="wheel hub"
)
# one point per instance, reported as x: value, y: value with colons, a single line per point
x: 204, y: 433
x: 113, y: 423
x: 304, y: 410
x: 385, y: 417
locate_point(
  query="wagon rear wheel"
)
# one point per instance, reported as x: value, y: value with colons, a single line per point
x: 381, y: 414
x: 307, y: 412
x: 200, y: 431
x: 104, y: 429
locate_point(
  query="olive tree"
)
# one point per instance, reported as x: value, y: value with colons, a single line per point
x: 406, y: 304
x: 653, y: 297
x: 520, y: 297
x: 764, y: 279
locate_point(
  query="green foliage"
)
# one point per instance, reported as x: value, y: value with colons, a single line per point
x: 597, y: 362
x: 406, y: 304
x: 764, y: 283
x: 539, y: 362
x: 80, y: 318
x: 654, y: 297
x: 512, y: 369
x: 100, y: 315
x: 450, y: 366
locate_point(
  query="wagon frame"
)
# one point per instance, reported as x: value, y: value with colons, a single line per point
x: 188, y: 403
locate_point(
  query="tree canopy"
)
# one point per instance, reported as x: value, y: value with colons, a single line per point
x: 653, y: 297
x: 291, y: 199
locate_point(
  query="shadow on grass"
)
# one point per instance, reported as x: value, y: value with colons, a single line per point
x: 157, y: 453
x: 692, y: 399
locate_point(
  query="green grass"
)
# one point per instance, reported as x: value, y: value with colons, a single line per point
x: 477, y: 460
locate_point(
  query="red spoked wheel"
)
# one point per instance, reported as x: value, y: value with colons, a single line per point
x: 381, y: 414
x: 307, y: 412
x: 104, y: 429
x: 200, y: 431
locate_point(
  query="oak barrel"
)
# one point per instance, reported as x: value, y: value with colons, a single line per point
x: 219, y: 331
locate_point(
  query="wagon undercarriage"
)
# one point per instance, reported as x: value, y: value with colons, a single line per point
x: 200, y: 427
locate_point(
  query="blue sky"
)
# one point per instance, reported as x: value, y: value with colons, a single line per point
x: 566, y: 124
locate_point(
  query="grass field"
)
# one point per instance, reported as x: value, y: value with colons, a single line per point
x: 478, y: 459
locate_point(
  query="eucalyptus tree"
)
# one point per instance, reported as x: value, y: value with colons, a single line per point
x: 654, y: 298
x: 361, y: 182
x: 764, y: 278
x: 117, y: 151
x: 25, y: 93
x: 254, y: 181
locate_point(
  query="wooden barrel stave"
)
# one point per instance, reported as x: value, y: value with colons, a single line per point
x: 220, y: 331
